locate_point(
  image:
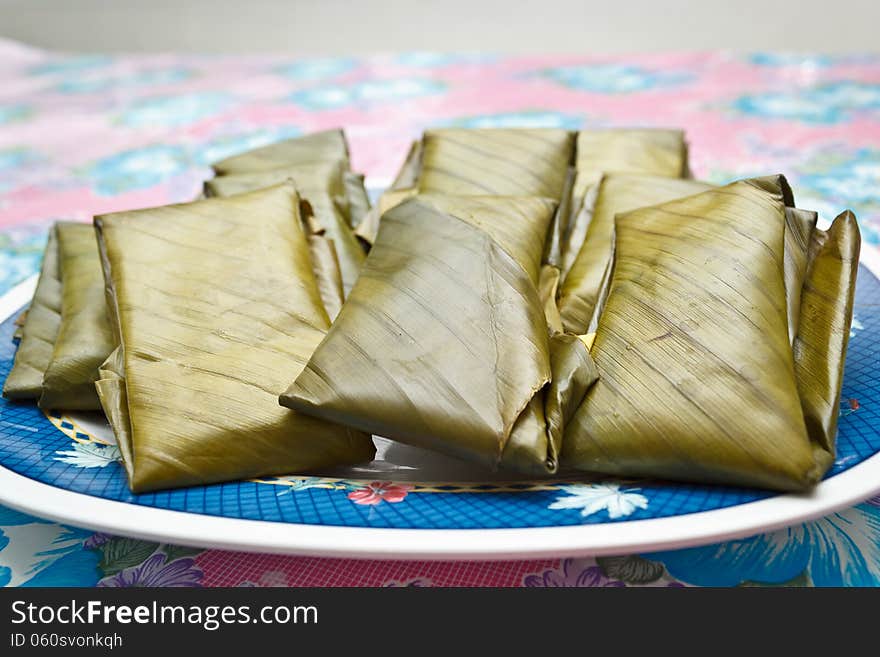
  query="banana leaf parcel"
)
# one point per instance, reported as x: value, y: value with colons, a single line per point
x: 698, y: 378
x: 324, y: 186
x: 214, y: 314
x: 39, y: 330
x: 84, y: 338
x: 826, y: 305
x: 324, y: 146
x: 358, y: 199
x: 443, y: 341
x: 541, y: 162
x: 616, y: 193
x: 403, y: 187
x: 646, y: 151
x: 323, y: 177
x: 319, y: 163
x: 582, y: 289
x: 496, y: 161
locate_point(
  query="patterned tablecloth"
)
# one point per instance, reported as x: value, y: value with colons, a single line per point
x: 85, y: 134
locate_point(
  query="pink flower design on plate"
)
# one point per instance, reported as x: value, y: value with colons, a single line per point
x: 380, y: 491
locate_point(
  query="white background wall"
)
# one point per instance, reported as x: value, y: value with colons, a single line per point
x: 357, y: 26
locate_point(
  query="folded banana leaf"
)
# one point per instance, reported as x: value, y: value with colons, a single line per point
x: 39, y: 330
x: 325, y: 265
x: 369, y: 227
x: 481, y: 162
x: 496, y: 161
x: 443, y: 341
x: 616, y: 193
x: 85, y: 338
x: 19, y: 324
x: 408, y: 175
x: 581, y: 292
x: 404, y: 186
x: 326, y: 189
x: 647, y: 151
x: 325, y: 146
x: 214, y: 314
x: 698, y: 380
x: 533, y: 162
x: 502, y: 161
x: 357, y: 197
x: 323, y: 177
x: 826, y: 307
x: 328, y: 218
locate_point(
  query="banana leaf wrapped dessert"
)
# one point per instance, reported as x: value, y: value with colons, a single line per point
x: 581, y: 290
x: 615, y: 193
x: 358, y: 199
x: 322, y: 177
x: 502, y: 161
x: 645, y: 151
x: 443, y: 342
x: 547, y: 162
x: 319, y: 164
x: 720, y: 337
x: 698, y: 377
x: 39, y: 330
x: 402, y: 187
x: 328, y: 274
x: 324, y: 146
x: 323, y: 185
x: 214, y: 313
x: 826, y: 306
x: 84, y: 338
x: 485, y: 162
x: 496, y: 161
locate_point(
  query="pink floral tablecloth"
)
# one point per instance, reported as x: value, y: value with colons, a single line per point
x: 85, y: 134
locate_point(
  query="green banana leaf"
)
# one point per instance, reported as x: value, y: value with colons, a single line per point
x: 698, y: 380
x: 369, y: 227
x: 323, y: 177
x: 328, y: 276
x: 85, y: 338
x: 39, y: 330
x: 404, y: 186
x: 646, y: 151
x: 357, y: 197
x: 443, y: 341
x: 19, y: 325
x: 502, y: 161
x: 537, y: 162
x: 481, y: 162
x: 327, y: 217
x: 581, y: 291
x: 799, y: 228
x: 496, y: 161
x: 826, y: 315
x: 408, y: 174
x: 214, y: 314
x: 616, y: 193
x: 325, y: 146
x: 325, y: 188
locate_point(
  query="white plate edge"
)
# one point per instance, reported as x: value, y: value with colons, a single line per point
x: 616, y: 538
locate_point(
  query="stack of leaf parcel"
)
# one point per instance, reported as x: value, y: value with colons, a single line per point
x: 537, y: 300
x: 185, y: 322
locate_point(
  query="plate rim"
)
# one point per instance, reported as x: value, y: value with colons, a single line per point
x: 597, y: 539
x: 339, y: 541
